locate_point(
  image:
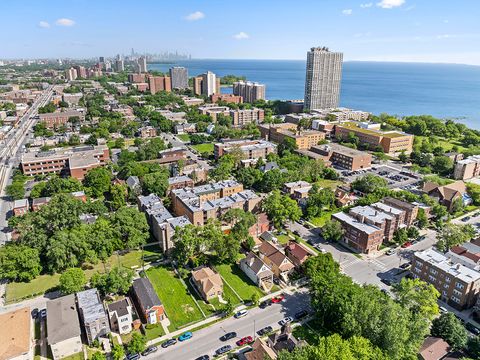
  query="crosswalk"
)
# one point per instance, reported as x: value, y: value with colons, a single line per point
x: 378, y: 264
x: 349, y: 263
x: 352, y: 262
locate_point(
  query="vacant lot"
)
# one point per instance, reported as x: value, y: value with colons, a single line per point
x: 179, y: 305
x: 235, y: 277
x: 204, y: 148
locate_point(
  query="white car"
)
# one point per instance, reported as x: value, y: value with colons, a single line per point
x: 391, y: 251
x: 285, y: 321
x: 240, y: 314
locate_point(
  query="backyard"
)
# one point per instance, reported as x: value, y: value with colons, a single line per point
x: 184, y: 137
x: 178, y: 303
x: 17, y: 291
x: 241, y: 284
x: 204, y: 148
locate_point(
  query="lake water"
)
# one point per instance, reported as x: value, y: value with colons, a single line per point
x: 441, y: 90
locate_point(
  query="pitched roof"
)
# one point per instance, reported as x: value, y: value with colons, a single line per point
x: 207, y: 278
x: 275, y: 255
x: 296, y: 250
x: 145, y: 292
x: 261, y: 351
x: 120, y: 307
x: 254, y: 263
x: 434, y: 348
x: 62, y: 319
x: 15, y: 333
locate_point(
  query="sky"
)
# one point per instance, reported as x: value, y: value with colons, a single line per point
x: 442, y: 31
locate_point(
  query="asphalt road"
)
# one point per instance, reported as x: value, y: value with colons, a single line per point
x: 206, y: 341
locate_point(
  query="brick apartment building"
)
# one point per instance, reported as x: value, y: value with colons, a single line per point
x: 246, y: 116
x: 74, y: 161
x: 392, y: 142
x: 147, y: 132
x: 279, y: 132
x: 136, y: 78
x: 56, y: 119
x: 468, y: 168
x: 211, y: 201
x: 411, y: 210
x: 341, y: 156
x: 159, y: 83
x: 213, y: 110
x: 229, y: 98
x: 252, y: 149
x: 458, y: 284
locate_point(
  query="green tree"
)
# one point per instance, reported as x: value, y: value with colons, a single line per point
x: 137, y: 343
x: 117, y: 196
x: 369, y: 183
x: 228, y: 308
x: 400, y: 236
x: 474, y: 192
x: 97, y: 355
x: 115, y: 281
x: 19, y: 262
x: 442, y: 165
x: 241, y: 222
x: 97, y: 181
x: 16, y: 190
x: 422, y: 219
x: 287, y: 145
x: 224, y: 168
x: 248, y: 176
x: 255, y: 298
x: 403, y: 157
x: 332, y: 231
x: 450, y: 329
x: 72, y: 280
x: 318, y: 200
x: 118, y: 353
x: 454, y: 234
x: 156, y: 182
x: 130, y: 227
x: 281, y: 208
x: 271, y: 180
x: 473, y: 347
x: 413, y: 232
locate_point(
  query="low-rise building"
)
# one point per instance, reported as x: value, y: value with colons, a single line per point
x: 63, y: 327
x: 72, y: 99
x: 20, y: 207
x: 343, y: 157
x: 59, y: 118
x: 260, y: 351
x: 448, y: 194
x: 434, y: 348
x: 410, y: 209
x: 208, y: 282
x: 229, y: 98
x: 279, y: 132
x: 39, y: 202
x: 93, y: 315
x: 242, y: 117
x: 257, y: 271
x: 16, y: 335
x: 468, y: 168
x: 458, y: 285
x: 297, y: 253
x: 179, y: 182
x: 121, y: 316
x: 147, y: 132
x: 213, y: 110
x: 146, y: 300
x: 251, y: 149
x: 276, y: 260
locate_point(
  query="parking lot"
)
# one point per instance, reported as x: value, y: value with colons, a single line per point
x: 395, y: 178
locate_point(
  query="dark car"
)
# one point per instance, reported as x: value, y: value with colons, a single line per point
x: 169, y: 343
x: 301, y: 314
x: 203, y: 357
x: 35, y: 313
x: 132, y: 357
x: 386, y: 281
x: 149, y: 350
x: 228, y: 336
x: 223, y: 349
x: 405, y: 266
x: 265, y: 330
x: 265, y: 304
x: 472, y: 328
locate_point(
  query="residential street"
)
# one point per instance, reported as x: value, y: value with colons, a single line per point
x: 206, y: 341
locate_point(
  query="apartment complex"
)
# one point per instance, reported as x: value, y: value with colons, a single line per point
x: 211, y: 201
x: 74, y: 161
x: 392, y: 142
x: 249, y: 91
x: 179, y: 76
x: 214, y: 110
x: 93, y: 315
x: 206, y: 84
x: 56, y: 119
x: 279, y: 132
x: 251, y: 149
x: 229, y: 98
x: 341, y: 156
x: 458, y: 284
x: 366, y: 227
x: 159, y: 83
x: 136, y: 78
x: 468, y: 168
x: 323, y: 77
x: 246, y: 116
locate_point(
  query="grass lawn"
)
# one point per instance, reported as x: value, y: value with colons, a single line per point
x: 447, y: 145
x: 207, y: 308
x: 184, y: 137
x: 310, y: 332
x: 179, y: 305
x: 43, y: 283
x: 77, y: 356
x: 283, y: 239
x: 326, y: 183
x: 204, y: 148
x: 235, y: 277
x: 154, y: 332
x: 321, y: 220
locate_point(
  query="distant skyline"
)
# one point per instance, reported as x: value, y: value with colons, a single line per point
x: 380, y: 30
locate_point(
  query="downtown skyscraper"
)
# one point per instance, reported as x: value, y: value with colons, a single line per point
x: 323, y: 77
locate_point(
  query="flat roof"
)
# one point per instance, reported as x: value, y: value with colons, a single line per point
x: 366, y: 228
x: 62, y: 319
x: 389, y: 134
x: 15, y: 333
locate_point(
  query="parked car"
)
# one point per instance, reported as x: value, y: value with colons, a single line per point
x: 169, y: 343
x: 443, y: 310
x: 466, y: 218
x: 245, y: 340
x: 278, y: 299
x: 203, y: 357
x: 265, y: 330
x: 132, y: 357
x: 285, y: 321
x: 406, y: 244
x: 472, y: 328
x: 223, y: 349
x: 265, y: 304
x: 185, y: 336
x: 149, y: 350
x: 387, y: 281
x: 43, y: 313
x: 228, y: 336
x: 240, y: 314
x: 35, y: 313
x: 391, y: 251
x: 405, y: 266
x: 301, y: 314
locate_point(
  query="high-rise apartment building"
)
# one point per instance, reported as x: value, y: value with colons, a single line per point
x: 179, y: 76
x: 71, y: 74
x: 159, y: 83
x: 209, y: 83
x: 323, y: 76
x: 81, y: 72
x: 142, y: 64
x: 249, y: 91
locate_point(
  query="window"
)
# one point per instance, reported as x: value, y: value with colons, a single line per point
x: 447, y: 279
x: 432, y: 278
x: 433, y: 271
x: 459, y: 286
x: 455, y: 299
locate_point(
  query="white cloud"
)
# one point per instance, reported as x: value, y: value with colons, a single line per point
x: 44, y: 24
x: 241, y: 35
x: 347, y: 12
x: 445, y: 21
x: 197, y: 15
x: 65, y: 22
x: 389, y: 4
x: 367, y: 5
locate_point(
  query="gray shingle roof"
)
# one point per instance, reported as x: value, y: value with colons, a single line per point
x: 145, y: 292
x: 62, y: 319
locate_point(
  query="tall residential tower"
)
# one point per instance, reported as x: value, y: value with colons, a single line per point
x: 179, y: 76
x: 249, y: 91
x: 323, y: 76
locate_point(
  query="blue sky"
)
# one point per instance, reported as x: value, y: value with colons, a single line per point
x: 383, y: 30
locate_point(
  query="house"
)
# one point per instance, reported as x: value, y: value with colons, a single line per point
x: 260, y: 351
x: 146, y: 300
x: 120, y: 316
x: 276, y: 260
x: 257, y: 271
x: 20, y: 207
x: 296, y: 253
x: 39, y: 202
x: 92, y: 314
x: 16, y: 335
x: 63, y: 327
x: 208, y: 282
x: 133, y: 183
x: 284, y: 340
x: 447, y: 195
x: 343, y: 197
x: 433, y: 348
x: 262, y: 225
